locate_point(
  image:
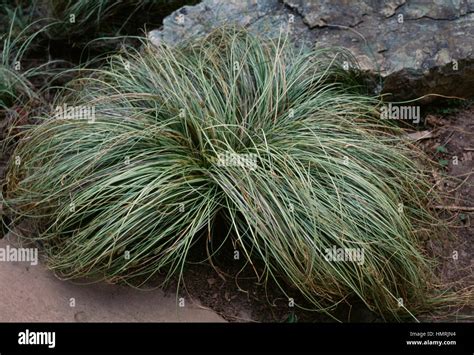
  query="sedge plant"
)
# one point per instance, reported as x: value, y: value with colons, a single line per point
x: 142, y: 157
x: 21, y: 80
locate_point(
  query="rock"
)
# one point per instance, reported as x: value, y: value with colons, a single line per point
x: 191, y: 21
x: 37, y: 295
x: 409, y: 48
x: 80, y: 317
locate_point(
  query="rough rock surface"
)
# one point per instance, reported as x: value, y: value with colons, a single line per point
x: 410, y: 48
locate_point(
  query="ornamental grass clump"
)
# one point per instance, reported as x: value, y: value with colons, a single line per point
x: 15, y: 82
x: 141, y: 158
x: 20, y: 77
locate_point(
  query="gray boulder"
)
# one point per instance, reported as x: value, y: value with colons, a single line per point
x: 409, y: 48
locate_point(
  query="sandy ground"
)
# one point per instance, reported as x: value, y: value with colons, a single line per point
x: 30, y: 293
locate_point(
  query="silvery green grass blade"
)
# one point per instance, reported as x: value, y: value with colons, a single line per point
x: 138, y: 159
x: 16, y: 78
